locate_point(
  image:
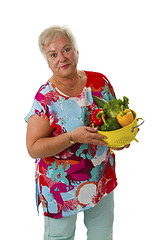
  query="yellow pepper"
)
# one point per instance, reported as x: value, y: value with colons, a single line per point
x: 125, y: 117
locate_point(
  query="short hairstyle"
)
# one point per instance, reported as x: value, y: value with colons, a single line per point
x: 52, y: 33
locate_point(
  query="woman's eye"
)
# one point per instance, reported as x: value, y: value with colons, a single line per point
x: 67, y: 50
x: 53, y: 55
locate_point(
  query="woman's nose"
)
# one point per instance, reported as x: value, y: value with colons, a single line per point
x: 62, y: 58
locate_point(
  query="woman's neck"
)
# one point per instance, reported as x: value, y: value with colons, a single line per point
x: 70, y: 86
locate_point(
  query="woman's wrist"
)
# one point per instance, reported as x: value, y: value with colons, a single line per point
x: 71, y: 138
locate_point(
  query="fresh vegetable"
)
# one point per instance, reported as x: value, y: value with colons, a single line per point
x: 110, y: 124
x: 99, y: 101
x: 96, y: 117
x: 125, y: 117
x: 113, y: 107
x: 117, y: 111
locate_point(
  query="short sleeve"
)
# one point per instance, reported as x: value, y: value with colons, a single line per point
x: 108, y: 93
x: 39, y: 107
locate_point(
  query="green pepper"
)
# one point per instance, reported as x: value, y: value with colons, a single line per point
x: 110, y: 124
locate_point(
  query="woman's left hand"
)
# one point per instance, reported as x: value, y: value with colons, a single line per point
x: 126, y: 146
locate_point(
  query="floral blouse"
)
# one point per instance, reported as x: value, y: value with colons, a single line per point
x: 78, y: 177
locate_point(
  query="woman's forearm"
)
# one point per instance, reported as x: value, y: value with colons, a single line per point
x: 41, y: 144
x: 49, y: 146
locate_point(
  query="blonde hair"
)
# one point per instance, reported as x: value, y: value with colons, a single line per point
x: 52, y: 33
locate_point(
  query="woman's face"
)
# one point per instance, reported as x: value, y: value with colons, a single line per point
x: 62, y: 57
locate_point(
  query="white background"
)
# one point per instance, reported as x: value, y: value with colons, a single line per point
x: 119, y: 38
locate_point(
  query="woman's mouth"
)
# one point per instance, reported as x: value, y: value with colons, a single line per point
x: 65, y: 66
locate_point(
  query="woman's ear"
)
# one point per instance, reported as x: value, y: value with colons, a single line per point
x: 48, y: 64
x: 77, y: 53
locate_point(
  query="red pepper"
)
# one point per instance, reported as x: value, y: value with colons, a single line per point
x: 96, y: 117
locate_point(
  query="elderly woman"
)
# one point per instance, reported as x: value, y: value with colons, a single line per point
x: 75, y: 170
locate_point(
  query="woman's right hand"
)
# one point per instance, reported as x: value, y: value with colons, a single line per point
x: 88, y: 135
x: 41, y: 144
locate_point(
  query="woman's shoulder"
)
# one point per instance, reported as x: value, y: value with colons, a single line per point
x: 94, y: 74
x: 44, y: 91
x: 97, y: 78
x: 99, y: 83
x: 44, y: 88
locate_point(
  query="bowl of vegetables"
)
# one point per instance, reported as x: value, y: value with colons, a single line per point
x: 116, y: 121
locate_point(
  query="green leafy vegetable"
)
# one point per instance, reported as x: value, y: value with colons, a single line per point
x: 113, y: 107
x: 110, y: 124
